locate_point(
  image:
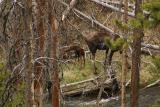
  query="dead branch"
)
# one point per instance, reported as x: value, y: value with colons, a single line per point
x: 112, y: 7
x: 108, y: 30
x: 69, y: 8
x: 150, y: 52
x: 156, y: 83
x: 107, y: 4
x: 155, y: 47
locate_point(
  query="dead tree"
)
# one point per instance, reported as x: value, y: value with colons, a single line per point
x: 27, y: 57
x: 53, y: 21
x: 96, y: 41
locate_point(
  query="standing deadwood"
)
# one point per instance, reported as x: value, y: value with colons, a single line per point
x: 136, y: 55
x: 55, y: 74
x: 39, y: 70
x: 38, y: 38
x: 125, y: 62
x: 47, y: 53
x: 27, y: 57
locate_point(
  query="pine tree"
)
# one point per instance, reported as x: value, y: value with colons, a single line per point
x: 153, y: 8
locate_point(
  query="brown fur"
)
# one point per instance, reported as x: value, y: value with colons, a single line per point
x: 78, y: 51
x: 96, y: 41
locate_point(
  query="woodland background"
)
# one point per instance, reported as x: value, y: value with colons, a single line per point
x: 33, y: 38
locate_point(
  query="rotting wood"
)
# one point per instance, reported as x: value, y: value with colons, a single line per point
x: 155, y: 47
x: 86, y: 86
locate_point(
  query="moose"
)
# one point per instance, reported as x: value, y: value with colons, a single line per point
x: 77, y: 50
x: 96, y: 41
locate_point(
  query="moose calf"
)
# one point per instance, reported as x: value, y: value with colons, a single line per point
x: 78, y: 51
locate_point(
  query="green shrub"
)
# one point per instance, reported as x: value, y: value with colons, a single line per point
x: 16, y: 91
x: 155, y: 68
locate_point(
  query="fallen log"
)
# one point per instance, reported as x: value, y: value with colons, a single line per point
x: 132, y: 6
x: 110, y: 32
x: 86, y: 86
x: 113, y: 8
x: 150, y: 46
x: 105, y: 4
x: 150, y: 52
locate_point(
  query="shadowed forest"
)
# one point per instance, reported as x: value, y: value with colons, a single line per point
x: 79, y: 53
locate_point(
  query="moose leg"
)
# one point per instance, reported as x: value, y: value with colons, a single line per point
x: 81, y: 65
x: 110, y: 57
x: 105, y: 63
x: 95, y: 68
x: 83, y: 60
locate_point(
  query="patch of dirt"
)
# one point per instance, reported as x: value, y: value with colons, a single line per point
x: 146, y: 99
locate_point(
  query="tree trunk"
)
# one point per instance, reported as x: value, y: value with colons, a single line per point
x: 27, y: 57
x: 39, y: 52
x: 138, y: 36
x: 38, y: 38
x: 125, y: 62
x: 48, y: 44
x: 55, y: 73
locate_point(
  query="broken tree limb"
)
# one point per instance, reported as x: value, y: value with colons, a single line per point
x: 69, y: 8
x: 156, y: 83
x: 132, y: 6
x: 150, y: 52
x: 105, y: 4
x: 112, y: 7
x: 155, y: 47
x: 89, y: 18
x: 108, y: 30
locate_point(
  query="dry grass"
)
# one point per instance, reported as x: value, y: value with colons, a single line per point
x: 74, y: 73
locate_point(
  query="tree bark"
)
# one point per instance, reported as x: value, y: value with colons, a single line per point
x: 55, y: 74
x: 124, y: 60
x: 38, y: 42
x: 27, y: 56
x: 136, y: 55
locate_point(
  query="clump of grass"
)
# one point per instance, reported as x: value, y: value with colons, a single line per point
x: 74, y: 73
x: 150, y: 70
x: 156, y: 103
x: 155, y: 68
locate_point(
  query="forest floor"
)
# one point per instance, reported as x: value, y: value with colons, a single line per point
x: 149, y: 97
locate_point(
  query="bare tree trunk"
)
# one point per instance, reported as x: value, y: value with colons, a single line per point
x: 55, y: 76
x: 55, y: 73
x: 138, y: 36
x: 48, y: 33
x: 27, y: 57
x: 37, y: 52
x: 35, y: 42
x: 125, y: 62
